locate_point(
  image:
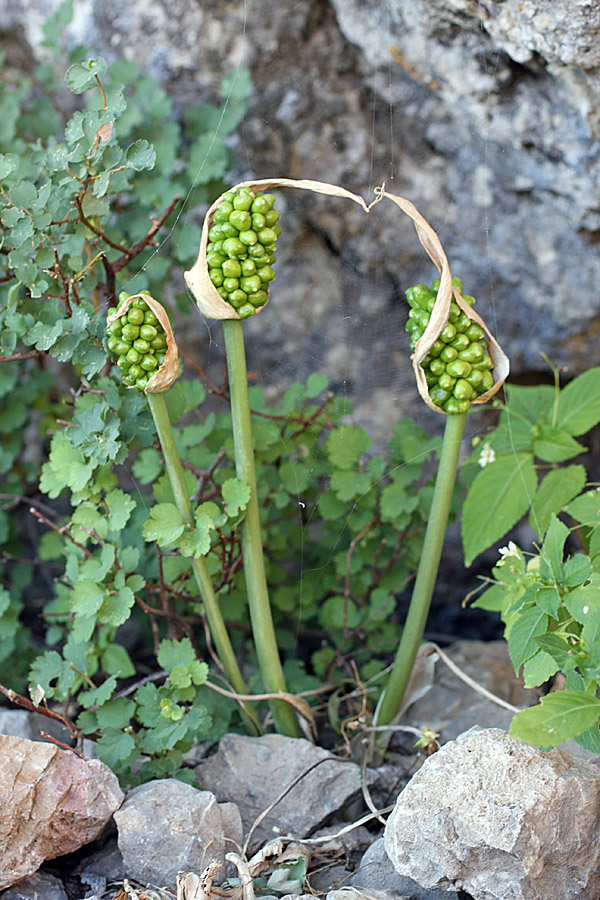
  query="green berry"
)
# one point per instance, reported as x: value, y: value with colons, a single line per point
x: 238, y: 298
x: 231, y: 284
x: 243, y: 199
x: 248, y: 238
x: 135, y: 316
x: 240, y: 219
x: 458, y: 368
x: 246, y: 310
x: 130, y: 332
x: 150, y: 318
x: 260, y: 205
x: 248, y: 267
x: 232, y: 268
x: 148, y: 332
x: 448, y: 353
x: 233, y: 247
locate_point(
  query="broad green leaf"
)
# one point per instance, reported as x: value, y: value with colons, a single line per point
x: 556, y: 489
x: 521, y: 643
x: 547, y: 599
x: 583, y: 602
x: 116, y: 607
x: 498, y: 497
x: 346, y: 445
x: 315, y: 385
x: 140, y: 156
x: 586, y: 508
x: 196, y: 543
x: 539, y: 669
x: 116, y: 661
x: 492, y: 599
x: 116, y: 747
x: 579, y: 403
x: 165, y: 524
x: 236, y: 495
x: 199, y: 671
x: 551, y: 555
x: 558, y: 649
x: 8, y: 164
x: 533, y: 402
x: 576, y: 570
x: 98, y: 696
x: 560, y: 716
x: 87, y: 597
x: 147, y: 466
x: 120, y: 506
x: 82, y: 76
x: 173, y: 653
x: 295, y: 476
x: 555, y: 445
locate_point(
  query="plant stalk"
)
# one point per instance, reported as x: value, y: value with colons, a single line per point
x: 429, y: 562
x: 217, y: 626
x: 254, y: 568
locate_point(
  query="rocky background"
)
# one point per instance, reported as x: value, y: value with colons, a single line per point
x: 485, y: 113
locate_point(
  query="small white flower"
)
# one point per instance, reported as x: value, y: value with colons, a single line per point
x: 511, y: 550
x: 487, y: 455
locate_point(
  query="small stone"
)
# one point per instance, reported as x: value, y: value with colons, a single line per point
x: 167, y: 826
x: 53, y: 802
x: 39, y: 886
x: 377, y: 874
x: 254, y: 771
x: 500, y: 819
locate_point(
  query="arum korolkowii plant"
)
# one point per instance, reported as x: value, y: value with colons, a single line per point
x: 456, y: 361
x: 140, y: 335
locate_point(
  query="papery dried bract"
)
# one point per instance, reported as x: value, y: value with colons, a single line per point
x: 209, y: 301
x: 166, y: 374
x: 439, y: 315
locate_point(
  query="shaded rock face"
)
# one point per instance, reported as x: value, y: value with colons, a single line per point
x: 51, y: 803
x: 500, y: 820
x: 167, y: 826
x: 486, y: 114
x: 254, y: 771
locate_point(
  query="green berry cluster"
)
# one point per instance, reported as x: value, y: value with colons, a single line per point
x: 241, y: 250
x: 458, y: 367
x: 139, y: 342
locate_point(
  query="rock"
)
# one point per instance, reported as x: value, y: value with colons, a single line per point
x: 39, y: 886
x: 105, y: 865
x: 501, y: 820
x: 254, y: 771
x: 167, y: 826
x: 451, y: 706
x: 53, y: 802
x: 376, y: 873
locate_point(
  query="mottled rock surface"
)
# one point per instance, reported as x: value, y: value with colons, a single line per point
x: 39, y: 886
x: 377, y: 874
x: 254, y: 771
x: 501, y: 820
x: 485, y: 114
x: 168, y: 826
x: 51, y: 803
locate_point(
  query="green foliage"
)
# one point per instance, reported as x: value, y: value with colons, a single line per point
x: 548, y: 599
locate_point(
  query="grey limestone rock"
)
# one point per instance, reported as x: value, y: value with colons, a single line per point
x: 501, y: 820
x: 376, y: 873
x: 167, y: 826
x: 254, y: 771
x: 35, y: 887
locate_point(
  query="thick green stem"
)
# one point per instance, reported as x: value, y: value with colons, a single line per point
x: 427, y: 571
x: 217, y: 626
x: 254, y: 569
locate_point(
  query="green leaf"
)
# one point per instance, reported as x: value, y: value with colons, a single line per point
x: 539, y: 669
x: 560, y: 716
x: 558, y: 649
x: 521, y: 643
x: 547, y: 598
x: 196, y: 543
x: 198, y: 671
x: 236, y: 495
x: 99, y: 695
x: 576, y: 570
x: 555, y: 445
x: 315, y: 385
x: 583, y: 602
x: 116, y: 607
x: 346, y: 445
x: 82, y: 76
x: 86, y: 597
x: 8, y: 164
x: 551, y: 555
x: 148, y: 466
x: 116, y: 661
x: 556, y: 489
x: 173, y: 653
x: 140, y: 156
x: 120, y: 506
x: 579, y: 403
x: 116, y: 748
x: 586, y: 508
x: 165, y: 524
x: 498, y: 497
x: 533, y: 402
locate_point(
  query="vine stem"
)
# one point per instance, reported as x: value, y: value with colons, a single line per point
x: 217, y: 626
x: 429, y: 562
x: 254, y: 568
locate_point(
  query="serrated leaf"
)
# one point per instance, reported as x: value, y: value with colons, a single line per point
x: 98, y: 696
x: 556, y: 489
x: 8, y: 164
x: 116, y: 607
x: 521, y: 644
x: 560, y: 716
x: 547, y: 599
x: 576, y: 570
x: 498, y: 497
x: 116, y: 661
x: 236, y: 495
x: 148, y: 466
x: 539, y: 669
x: 172, y: 653
x: 586, y: 508
x: 116, y: 747
x: 81, y: 77
x: 558, y: 649
x: 551, y: 555
x: 583, y: 602
x: 180, y: 677
x: 346, y: 445
x: 196, y: 542
x: 140, y: 156
x: 165, y: 524
x: 579, y: 403
x: 86, y: 597
x: 198, y: 671
x: 120, y: 506
x: 315, y: 385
